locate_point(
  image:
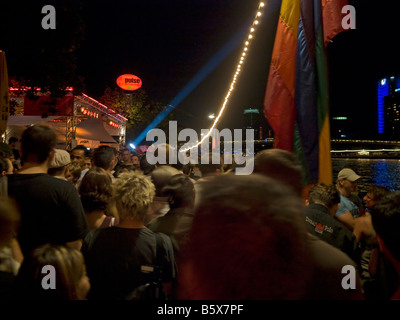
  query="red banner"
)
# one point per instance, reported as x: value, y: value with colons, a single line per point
x: 45, y: 105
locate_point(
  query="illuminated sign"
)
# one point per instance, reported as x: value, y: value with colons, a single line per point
x: 129, y: 82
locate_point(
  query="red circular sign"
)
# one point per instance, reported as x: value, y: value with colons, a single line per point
x: 129, y: 82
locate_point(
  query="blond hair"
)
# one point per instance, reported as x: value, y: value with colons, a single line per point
x: 133, y: 194
x: 69, y: 266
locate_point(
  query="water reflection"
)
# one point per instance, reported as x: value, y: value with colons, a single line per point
x: 383, y: 172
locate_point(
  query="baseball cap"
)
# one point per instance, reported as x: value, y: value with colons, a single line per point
x: 61, y: 159
x: 348, y: 174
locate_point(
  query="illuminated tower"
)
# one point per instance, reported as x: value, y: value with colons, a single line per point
x: 252, y: 121
x: 386, y: 87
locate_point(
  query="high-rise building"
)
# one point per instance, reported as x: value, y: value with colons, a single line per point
x: 392, y: 115
x: 388, y: 106
x: 253, y: 120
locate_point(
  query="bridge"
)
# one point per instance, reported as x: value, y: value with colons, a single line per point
x: 345, y: 148
x: 340, y: 148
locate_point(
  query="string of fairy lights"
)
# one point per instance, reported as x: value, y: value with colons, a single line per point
x: 242, y: 60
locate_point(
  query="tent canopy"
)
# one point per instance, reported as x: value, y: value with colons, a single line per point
x: 90, y: 129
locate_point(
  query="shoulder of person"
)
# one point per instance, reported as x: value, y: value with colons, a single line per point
x: 91, y: 237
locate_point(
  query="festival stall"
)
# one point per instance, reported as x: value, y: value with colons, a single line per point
x: 76, y: 119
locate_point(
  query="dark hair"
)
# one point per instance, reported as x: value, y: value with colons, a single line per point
x: 210, y: 167
x: 86, y: 152
x: 180, y: 191
x: 385, y: 215
x: 378, y: 191
x: 145, y: 166
x: 12, y: 139
x: 36, y: 143
x: 160, y: 177
x: 327, y: 195
x: 102, y: 156
x: 95, y: 189
x: 247, y: 241
x: 122, y: 167
x: 281, y: 165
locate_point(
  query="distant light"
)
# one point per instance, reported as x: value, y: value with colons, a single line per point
x: 251, y: 111
x: 88, y: 149
x: 132, y: 146
x: 211, y: 116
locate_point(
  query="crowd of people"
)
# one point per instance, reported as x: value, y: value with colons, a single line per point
x: 103, y: 224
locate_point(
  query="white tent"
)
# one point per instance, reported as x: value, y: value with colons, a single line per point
x: 96, y: 123
x: 90, y: 132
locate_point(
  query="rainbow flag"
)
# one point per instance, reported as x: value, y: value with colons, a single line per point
x: 296, y: 102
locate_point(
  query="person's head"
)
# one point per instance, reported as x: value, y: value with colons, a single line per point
x: 188, y: 169
x: 37, y: 144
x: 247, y: 241
x: 347, y: 181
x: 88, y: 162
x: 214, y: 165
x: 96, y: 190
x: 6, y: 167
x: 281, y: 165
x: 125, y: 155
x: 66, y: 264
x: 105, y: 157
x: 328, y: 196
x: 59, y: 163
x: 78, y: 155
x: 145, y: 166
x: 12, y: 142
x: 73, y: 172
x: 135, y: 159
x: 180, y: 191
x: 374, y: 194
x: 125, y: 168
x: 133, y: 194
x: 385, y: 216
x: 160, y: 177
x: 9, y: 220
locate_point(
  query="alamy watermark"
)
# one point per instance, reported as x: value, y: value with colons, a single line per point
x: 232, y: 147
x: 49, y: 280
x: 349, y: 20
x: 49, y: 20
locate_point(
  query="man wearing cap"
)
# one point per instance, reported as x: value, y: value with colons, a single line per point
x: 59, y: 164
x: 350, y: 204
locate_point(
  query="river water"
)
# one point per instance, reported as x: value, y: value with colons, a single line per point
x: 383, y: 172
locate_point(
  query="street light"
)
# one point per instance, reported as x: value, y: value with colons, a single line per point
x: 211, y: 116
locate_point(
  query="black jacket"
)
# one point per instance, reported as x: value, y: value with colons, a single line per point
x: 319, y: 222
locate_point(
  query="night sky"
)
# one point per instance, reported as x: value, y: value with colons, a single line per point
x: 166, y: 43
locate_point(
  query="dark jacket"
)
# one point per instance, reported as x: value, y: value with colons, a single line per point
x: 320, y: 223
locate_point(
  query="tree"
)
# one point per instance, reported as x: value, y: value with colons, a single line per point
x: 138, y: 107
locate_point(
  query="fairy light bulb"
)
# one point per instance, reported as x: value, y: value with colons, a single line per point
x: 233, y: 82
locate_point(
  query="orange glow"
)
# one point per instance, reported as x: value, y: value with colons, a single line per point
x: 129, y: 82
